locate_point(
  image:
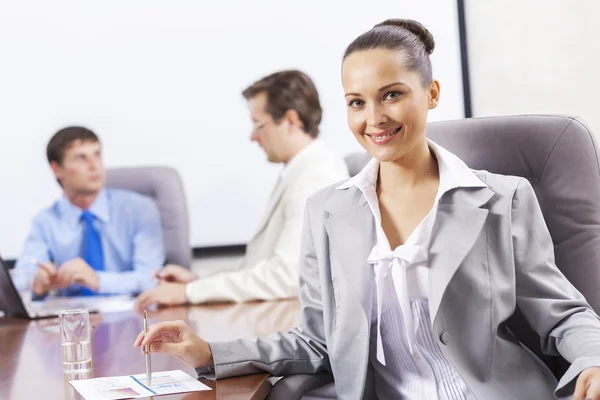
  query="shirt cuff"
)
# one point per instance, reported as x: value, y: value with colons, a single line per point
x: 128, y: 282
x: 207, y: 372
x: 204, y: 290
x: 106, y: 281
x: 567, y: 383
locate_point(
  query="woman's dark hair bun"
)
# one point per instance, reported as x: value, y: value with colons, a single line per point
x: 415, y: 28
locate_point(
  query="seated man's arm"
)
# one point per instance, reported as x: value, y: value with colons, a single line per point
x: 148, y: 254
x: 35, y: 251
x: 268, y: 279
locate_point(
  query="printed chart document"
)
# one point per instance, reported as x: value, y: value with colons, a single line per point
x: 134, y: 386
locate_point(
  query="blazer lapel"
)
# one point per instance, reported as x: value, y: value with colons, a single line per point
x: 350, y: 226
x: 274, y: 200
x: 458, y: 224
x: 351, y: 230
x: 288, y: 177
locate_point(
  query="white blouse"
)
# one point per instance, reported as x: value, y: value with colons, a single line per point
x: 408, y: 361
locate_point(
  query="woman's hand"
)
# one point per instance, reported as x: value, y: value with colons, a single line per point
x: 179, y: 340
x: 588, y: 385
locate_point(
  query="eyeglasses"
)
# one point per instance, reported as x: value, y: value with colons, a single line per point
x: 259, y: 125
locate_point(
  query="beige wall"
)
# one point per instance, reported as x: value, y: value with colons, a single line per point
x: 535, y: 56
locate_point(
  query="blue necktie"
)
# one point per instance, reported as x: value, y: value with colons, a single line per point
x: 91, y: 247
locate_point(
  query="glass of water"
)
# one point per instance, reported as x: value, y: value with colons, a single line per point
x: 75, y: 341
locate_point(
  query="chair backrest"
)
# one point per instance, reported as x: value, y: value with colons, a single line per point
x: 559, y: 156
x: 164, y: 186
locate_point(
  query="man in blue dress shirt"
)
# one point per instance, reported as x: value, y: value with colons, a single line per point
x: 93, y: 240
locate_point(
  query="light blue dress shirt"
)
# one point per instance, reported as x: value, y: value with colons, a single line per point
x: 131, y: 234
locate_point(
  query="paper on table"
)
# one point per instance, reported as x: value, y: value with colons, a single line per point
x: 134, y: 386
x: 109, y: 304
x: 104, y: 304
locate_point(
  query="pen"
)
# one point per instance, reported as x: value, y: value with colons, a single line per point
x: 42, y: 266
x: 52, y: 274
x: 157, y: 277
x: 147, y: 351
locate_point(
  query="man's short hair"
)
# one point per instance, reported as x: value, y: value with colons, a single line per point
x: 290, y: 90
x: 64, y: 138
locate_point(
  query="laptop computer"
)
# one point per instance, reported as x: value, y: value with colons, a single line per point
x: 13, y: 305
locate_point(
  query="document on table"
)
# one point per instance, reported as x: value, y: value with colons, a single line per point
x: 103, y: 304
x: 134, y: 386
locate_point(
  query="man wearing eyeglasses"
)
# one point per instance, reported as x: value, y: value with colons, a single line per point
x: 286, y: 113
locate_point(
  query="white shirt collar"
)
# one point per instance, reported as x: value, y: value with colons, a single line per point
x: 72, y: 213
x: 297, y: 162
x: 453, y: 171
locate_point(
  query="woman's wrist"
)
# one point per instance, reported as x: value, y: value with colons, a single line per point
x: 205, y: 356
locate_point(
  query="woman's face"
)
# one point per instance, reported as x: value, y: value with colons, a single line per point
x: 387, y: 104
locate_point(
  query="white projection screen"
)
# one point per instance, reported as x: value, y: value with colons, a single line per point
x: 160, y: 82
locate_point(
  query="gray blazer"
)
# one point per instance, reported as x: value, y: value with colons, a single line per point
x: 490, y: 253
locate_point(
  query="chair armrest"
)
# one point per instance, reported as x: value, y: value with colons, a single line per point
x: 293, y: 387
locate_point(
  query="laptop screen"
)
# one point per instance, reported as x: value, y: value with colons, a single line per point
x: 10, y: 298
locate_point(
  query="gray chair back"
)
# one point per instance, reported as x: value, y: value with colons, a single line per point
x: 559, y: 156
x: 164, y: 186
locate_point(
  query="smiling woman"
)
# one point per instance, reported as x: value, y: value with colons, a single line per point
x: 410, y: 269
x: 389, y: 89
x: 385, y: 103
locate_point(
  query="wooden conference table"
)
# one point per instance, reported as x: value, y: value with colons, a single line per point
x: 30, y: 352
